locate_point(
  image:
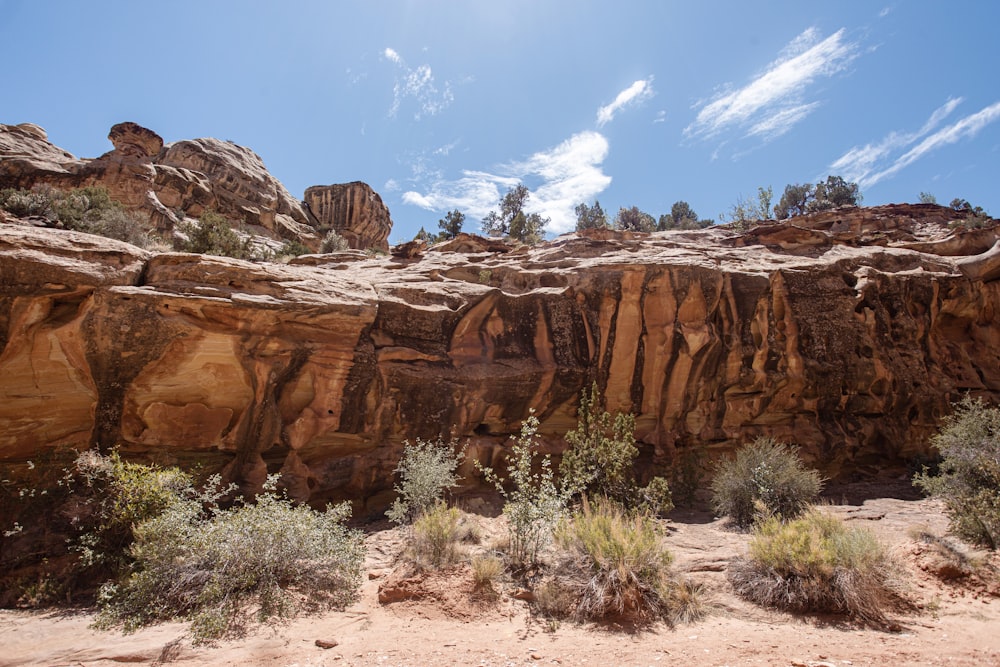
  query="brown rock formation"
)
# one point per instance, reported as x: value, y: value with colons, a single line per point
x: 242, y: 187
x: 354, y: 211
x: 848, y: 344
x: 187, y: 178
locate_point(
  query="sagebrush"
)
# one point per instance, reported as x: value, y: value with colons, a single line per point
x: 969, y: 472
x: 765, y: 478
x: 615, y: 564
x: 222, y: 568
x: 436, y: 535
x: 818, y: 564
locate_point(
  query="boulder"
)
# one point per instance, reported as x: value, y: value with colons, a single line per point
x: 354, y: 211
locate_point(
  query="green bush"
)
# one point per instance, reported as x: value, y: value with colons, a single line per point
x: 534, y: 504
x: 601, y: 457
x: 293, y: 248
x: 88, y: 209
x: 817, y: 564
x: 969, y: 477
x: 426, y: 470
x: 212, y: 235
x: 24, y: 203
x: 333, y: 242
x: 619, y: 566
x: 266, y: 560
x: 766, y: 478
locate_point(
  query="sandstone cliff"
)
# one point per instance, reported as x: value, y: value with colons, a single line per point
x: 168, y: 183
x: 847, y: 332
x: 353, y: 210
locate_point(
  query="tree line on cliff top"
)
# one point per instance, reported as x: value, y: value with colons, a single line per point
x: 511, y: 219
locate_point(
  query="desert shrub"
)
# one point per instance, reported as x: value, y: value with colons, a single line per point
x: 534, y: 504
x: 622, y: 564
x: 817, y: 564
x: 486, y: 569
x: 766, y: 478
x: 113, y: 496
x: 81, y: 207
x: 969, y: 471
x: 116, y: 223
x: 74, y: 520
x: 264, y: 560
x: 212, y: 235
x: 436, y: 535
x: 293, y: 248
x: 426, y: 470
x: 24, y: 203
x: 333, y: 242
x: 601, y: 457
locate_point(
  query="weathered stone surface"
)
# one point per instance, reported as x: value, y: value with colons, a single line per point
x: 243, y: 189
x: 132, y: 138
x: 847, y: 343
x: 187, y: 178
x: 354, y: 211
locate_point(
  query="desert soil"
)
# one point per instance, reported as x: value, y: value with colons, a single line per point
x: 955, y: 621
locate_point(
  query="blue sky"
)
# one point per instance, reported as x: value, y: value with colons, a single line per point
x: 444, y: 105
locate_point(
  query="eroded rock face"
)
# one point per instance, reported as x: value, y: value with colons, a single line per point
x: 354, y: 211
x: 242, y: 187
x: 187, y: 178
x: 321, y: 369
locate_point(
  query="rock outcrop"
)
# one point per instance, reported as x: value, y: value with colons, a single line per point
x: 828, y: 332
x: 168, y: 183
x: 354, y: 211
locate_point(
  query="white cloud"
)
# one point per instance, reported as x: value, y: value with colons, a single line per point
x: 964, y: 128
x: 780, y: 122
x: 418, y: 84
x: 639, y: 91
x: 661, y: 116
x: 567, y: 174
x: 773, y: 102
x: 871, y: 163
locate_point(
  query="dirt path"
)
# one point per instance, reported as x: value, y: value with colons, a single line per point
x: 958, y: 625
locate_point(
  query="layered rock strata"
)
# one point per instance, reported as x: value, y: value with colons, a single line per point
x: 844, y: 332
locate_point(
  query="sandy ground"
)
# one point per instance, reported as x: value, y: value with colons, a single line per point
x: 958, y: 622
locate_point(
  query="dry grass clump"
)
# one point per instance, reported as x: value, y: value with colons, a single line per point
x: 486, y: 569
x: 437, y: 533
x: 818, y: 564
x: 616, y: 566
x: 766, y: 478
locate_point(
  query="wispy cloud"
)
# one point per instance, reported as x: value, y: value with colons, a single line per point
x: 772, y: 103
x: 418, y: 84
x: 639, y: 91
x: 566, y: 175
x: 872, y: 163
